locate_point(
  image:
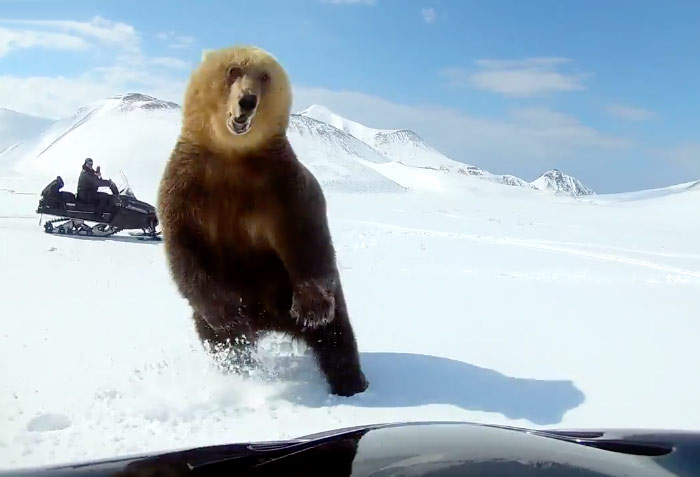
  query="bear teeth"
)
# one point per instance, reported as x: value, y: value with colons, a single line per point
x: 237, y: 128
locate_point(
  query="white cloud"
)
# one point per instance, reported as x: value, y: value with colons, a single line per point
x: 546, y: 124
x: 58, y: 96
x: 104, y: 31
x: 525, y: 63
x: 428, y: 15
x: 530, y: 135
x: 18, y: 39
x: 176, y: 41
x: 629, y: 112
x: 50, y: 96
x: 526, y: 136
x: 521, y: 78
x: 120, y: 36
x: 129, y: 69
x: 168, y: 62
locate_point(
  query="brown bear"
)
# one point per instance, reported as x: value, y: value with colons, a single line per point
x: 244, y: 222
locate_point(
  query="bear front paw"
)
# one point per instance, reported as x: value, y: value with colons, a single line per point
x: 313, y: 304
x: 349, y: 384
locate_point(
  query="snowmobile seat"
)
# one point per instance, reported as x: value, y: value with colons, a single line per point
x: 65, y: 196
x: 82, y: 203
x: 54, y: 197
x: 51, y: 191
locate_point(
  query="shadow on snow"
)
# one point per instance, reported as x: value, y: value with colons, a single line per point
x: 408, y: 380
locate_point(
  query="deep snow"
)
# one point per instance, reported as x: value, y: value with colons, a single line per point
x: 471, y: 300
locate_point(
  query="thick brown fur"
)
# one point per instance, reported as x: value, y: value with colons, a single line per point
x: 244, y: 222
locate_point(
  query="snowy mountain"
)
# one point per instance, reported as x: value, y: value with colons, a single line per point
x: 328, y: 137
x: 398, y: 145
x: 406, y: 147
x: 556, y: 181
x: 505, y: 179
x: 135, y: 133
x: 335, y: 157
x: 17, y: 127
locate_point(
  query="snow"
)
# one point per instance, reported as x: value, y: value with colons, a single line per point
x: 651, y: 193
x: 336, y: 158
x: 398, y: 145
x: 471, y: 300
x: 406, y: 147
x: 325, y: 115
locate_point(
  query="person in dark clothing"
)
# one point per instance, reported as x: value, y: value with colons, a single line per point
x: 88, y: 183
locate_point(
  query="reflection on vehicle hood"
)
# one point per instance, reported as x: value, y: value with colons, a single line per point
x: 422, y: 449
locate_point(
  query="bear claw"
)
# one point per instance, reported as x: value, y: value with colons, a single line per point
x: 313, y: 305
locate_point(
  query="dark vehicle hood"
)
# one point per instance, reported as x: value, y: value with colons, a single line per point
x: 421, y: 449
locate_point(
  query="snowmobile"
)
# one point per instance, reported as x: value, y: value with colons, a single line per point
x: 127, y: 213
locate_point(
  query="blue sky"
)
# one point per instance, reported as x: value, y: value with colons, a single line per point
x: 607, y: 91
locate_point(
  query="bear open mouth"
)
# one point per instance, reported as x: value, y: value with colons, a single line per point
x: 238, y: 128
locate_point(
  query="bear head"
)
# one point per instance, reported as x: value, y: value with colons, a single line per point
x: 237, y: 99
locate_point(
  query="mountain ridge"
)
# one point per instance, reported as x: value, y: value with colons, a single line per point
x: 332, y: 145
x: 411, y: 150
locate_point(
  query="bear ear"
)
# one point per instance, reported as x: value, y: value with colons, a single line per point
x: 206, y: 53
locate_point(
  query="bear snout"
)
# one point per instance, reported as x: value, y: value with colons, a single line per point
x: 248, y: 102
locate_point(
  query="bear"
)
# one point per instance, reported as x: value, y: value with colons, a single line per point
x: 243, y: 221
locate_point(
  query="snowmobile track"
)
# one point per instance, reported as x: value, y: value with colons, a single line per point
x: 533, y: 244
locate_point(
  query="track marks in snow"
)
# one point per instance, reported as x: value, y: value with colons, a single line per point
x: 6, y: 217
x: 656, y: 253
x: 49, y: 422
x: 549, y: 246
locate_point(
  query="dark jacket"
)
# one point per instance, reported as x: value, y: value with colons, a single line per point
x: 88, y: 183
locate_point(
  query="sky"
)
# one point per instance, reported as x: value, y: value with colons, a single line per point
x: 605, y: 91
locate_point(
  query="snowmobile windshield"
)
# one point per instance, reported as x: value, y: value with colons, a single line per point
x: 124, y: 185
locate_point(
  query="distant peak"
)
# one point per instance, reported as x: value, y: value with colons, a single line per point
x: 316, y: 109
x: 553, y: 172
x: 143, y: 101
x: 401, y: 133
x: 556, y: 180
x: 322, y: 113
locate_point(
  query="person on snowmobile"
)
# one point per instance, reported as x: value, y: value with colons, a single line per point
x: 88, y: 183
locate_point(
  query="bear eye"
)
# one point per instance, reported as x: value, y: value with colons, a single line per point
x: 234, y: 72
x: 265, y: 78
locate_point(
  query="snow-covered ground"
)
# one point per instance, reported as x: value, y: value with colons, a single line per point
x: 471, y: 300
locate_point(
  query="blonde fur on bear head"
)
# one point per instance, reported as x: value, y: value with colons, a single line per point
x: 214, y: 94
